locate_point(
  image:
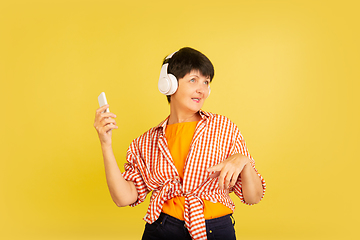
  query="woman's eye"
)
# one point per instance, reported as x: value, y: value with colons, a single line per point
x: 192, y: 80
x: 206, y: 82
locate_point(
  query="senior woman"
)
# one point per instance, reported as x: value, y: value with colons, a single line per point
x: 190, y: 162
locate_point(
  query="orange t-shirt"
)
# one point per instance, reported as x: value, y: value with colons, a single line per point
x: 179, y: 138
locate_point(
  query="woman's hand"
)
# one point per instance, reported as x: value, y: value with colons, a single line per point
x: 229, y: 170
x: 104, y: 123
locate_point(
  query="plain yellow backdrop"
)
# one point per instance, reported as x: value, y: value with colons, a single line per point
x: 286, y: 72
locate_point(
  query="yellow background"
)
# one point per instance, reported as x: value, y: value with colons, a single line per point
x: 286, y: 72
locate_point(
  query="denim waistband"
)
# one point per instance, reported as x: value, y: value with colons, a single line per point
x: 209, y: 222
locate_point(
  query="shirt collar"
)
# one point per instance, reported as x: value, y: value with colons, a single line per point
x: 204, y: 114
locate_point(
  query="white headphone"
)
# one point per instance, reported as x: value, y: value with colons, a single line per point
x: 168, y: 83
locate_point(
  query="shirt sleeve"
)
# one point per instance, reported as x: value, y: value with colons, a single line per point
x: 239, y: 146
x: 133, y: 170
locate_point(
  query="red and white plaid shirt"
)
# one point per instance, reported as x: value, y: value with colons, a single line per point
x: 151, y: 168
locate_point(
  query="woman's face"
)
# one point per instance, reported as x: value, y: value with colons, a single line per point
x: 192, y: 91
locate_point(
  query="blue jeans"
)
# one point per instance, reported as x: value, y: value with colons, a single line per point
x: 167, y: 227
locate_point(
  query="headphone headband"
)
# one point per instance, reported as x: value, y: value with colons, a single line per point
x: 170, y: 56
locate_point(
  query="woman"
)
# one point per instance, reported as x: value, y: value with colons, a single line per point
x: 191, y: 161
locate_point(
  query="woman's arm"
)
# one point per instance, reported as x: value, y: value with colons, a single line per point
x: 122, y: 192
x: 228, y: 172
x: 251, y: 184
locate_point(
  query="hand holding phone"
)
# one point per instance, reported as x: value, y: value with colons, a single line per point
x: 104, y: 120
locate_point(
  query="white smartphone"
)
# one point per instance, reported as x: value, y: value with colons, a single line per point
x: 102, y: 101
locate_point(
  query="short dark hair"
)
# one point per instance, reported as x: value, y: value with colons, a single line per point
x: 186, y: 60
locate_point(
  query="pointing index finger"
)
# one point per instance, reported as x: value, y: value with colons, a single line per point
x: 216, y: 167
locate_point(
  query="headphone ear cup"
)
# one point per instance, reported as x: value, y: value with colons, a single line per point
x: 163, y: 85
x: 168, y: 84
x: 173, y: 84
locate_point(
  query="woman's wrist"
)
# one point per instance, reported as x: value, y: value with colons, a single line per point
x: 244, y: 159
x: 247, y: 164
x: 106, y: 146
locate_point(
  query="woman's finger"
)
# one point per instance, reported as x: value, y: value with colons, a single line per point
x: 229, y: 177
x: 222, y: 178
x: 103, y: 131
x: 102, y: 109
x: 108, y: 114
x: 216, y: 167
x: 106, y: 121
x: 102, y: 116
x: 234, y: 179
x: 109, y: 127
x: 227, y: 180
x: 215, y: 174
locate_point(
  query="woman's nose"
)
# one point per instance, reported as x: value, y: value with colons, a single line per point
x: 202, y: 88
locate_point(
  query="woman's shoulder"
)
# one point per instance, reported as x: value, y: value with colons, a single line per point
x: 152, y: 133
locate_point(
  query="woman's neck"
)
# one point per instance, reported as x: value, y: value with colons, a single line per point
x: 177, y: 117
